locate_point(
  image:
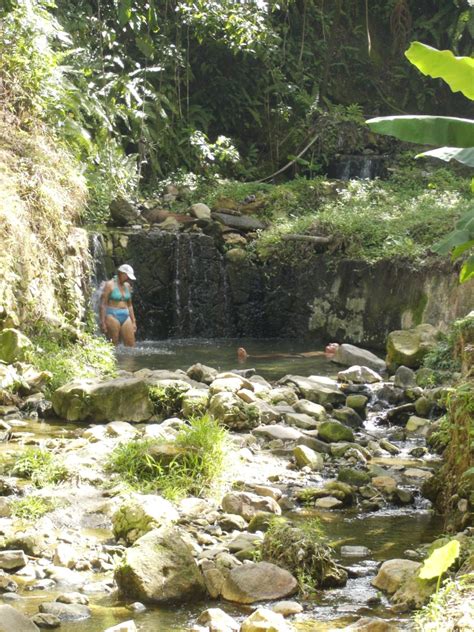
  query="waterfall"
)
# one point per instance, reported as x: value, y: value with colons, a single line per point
x: 365, y: 167
x: 98, y: 271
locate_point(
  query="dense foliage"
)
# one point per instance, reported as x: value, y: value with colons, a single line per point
x: 143, y: 89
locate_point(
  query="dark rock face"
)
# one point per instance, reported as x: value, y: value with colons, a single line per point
x: 186, y: 287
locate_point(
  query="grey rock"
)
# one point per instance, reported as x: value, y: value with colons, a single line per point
x: 66, y: 611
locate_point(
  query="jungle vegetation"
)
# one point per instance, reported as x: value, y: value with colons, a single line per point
x: 139, y: 91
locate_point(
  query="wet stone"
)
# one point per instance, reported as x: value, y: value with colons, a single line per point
x: 46, y: 621
x: 66, y: 612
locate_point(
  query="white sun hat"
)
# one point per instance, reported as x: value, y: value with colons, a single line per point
x: 128, y: 270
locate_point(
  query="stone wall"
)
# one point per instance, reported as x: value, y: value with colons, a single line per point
x: 186, y: 288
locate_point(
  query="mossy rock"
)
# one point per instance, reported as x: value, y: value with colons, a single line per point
x: 14, y: 346
x: 357, y: 478
x: 334, y: 432
x: 408, y: 347
x: 261, y: 521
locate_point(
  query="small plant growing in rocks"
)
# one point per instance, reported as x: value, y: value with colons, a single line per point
x: 41, y: 466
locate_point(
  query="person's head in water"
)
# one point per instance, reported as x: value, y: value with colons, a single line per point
x: 242, y: 355
x: 331, y: 349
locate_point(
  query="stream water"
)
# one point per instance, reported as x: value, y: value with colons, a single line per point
x: 387, y: 533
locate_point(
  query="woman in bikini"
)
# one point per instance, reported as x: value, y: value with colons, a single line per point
x: 117, y: 319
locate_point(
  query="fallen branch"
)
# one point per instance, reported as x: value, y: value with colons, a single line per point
x: 311, y: 238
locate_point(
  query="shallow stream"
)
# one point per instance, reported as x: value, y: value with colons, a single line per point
x: 387, y: 533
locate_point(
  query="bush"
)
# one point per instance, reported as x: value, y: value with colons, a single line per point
x: 42, y: 467
x: 192, y: 465
x: 90, y: 356
x: 32, y: 507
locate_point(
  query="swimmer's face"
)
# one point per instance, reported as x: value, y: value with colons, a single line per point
x: 241, y: 354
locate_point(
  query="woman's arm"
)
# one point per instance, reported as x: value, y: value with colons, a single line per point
x: 132, y: 315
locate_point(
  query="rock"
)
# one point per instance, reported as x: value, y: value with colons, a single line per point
x: 350, y: 355
x: 160, y: 568
x: 408, y: 347
x: 8, y: 320
x: 393, y: 573
x: 278, y: 432
x: 123, y: 213
x: 333, y: 432
x: 73, y: 597
x: 310, y: 408
x: 404, y: 378
x: 46, y: 621
x: 385, y: 484
x: 12, y: 560
x: 11, y: 620
x: 282, y: 394
x: 5, y: 507
x: 120, y: 429
x: 66, y: 611
x: 357, y: 402
x: 261, y: 521
x: 424, y: 406
x: 247, y: 505
x: 355, y: 551
x: 14, y: 346
x: 300, y: 420
x: 120, y: 399
x: 125, y: 626
x: 140, y: 513
x: 389, y: 447
x: 65, y: 555
x: 315, y: 444
x: 194, y: 402
x: 7, y: 585
x: 244, y: 541
x: 371, y: 625
x: 231, y: 522
x: 243, y: 223
x: 357, y: 478
x: 417, y: 474
x: 317, y: 389
x: 200, y: 211
x: 258, y: 582
x: 328, y: 502
x: 287, y: 608
x: 216, y: 620
x: 264, y: 620
x: 305, y: 457
x: 417, y: 425
x: 233, y: 412
x: 348, y: 417
x: 359, y: 375
x: 201, y: 373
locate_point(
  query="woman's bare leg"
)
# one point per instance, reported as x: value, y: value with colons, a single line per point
x: 128, y: 335
x: 113, y: 329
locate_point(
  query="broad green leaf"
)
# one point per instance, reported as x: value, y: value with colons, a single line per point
x: 426, y: 130
x: 465, y: 156
x: 440, y: 560
x: 458, y: 72
x: 452, y: 239
x: 467, y: 271
x: 124, y: 11
x: 461, y: 249
x: 466, y: 221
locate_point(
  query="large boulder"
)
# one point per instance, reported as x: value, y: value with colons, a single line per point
x: 408, y: 347
x: 233, y: 412
x: 393, y: 573
x: 14, y: 346
x: 359, y: 375
x: 160, y: 568
x: 12, y: 620
x: 350, y: 355
x: 120, y: 399
x: 142, y: 513
x: 334, y: 432
x: 317, y: 389
x: 248, y: 505
x: 123, y: 213
x: 258, y: 582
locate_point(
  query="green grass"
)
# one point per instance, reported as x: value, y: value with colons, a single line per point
x: 90, y: 356
x: 447, y: 606
x: 32, y: 507
x: 194, y: 470
x: 40, y: 466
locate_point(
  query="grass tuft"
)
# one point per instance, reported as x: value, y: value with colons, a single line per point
x: 40, y: 466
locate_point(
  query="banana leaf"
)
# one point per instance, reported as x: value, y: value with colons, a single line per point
x: 426, y: 130
x: 457, y: 72
x: 464, y: 156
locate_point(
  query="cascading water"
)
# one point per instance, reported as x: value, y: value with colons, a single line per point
x: 365, y: 167
x: 98, y: 271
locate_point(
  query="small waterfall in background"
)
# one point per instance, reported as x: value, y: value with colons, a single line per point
x: 365, y: 167
x: 201, y: 289
x: 98, y: 272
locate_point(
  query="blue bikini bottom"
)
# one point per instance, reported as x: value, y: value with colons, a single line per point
x: 119, y: 313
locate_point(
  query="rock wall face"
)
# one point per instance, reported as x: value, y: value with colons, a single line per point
x: 186, y: 288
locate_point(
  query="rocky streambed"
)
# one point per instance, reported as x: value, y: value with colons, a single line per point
x: 342, y: 460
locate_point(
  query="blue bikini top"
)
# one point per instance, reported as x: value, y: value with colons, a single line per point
x: 116, y: 294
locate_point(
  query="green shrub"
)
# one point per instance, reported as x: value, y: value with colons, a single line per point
x: 90, y: 356
x: 447, y: 606
x: 42, y: 467
x: 32, y: 507
x: 192, y: 465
